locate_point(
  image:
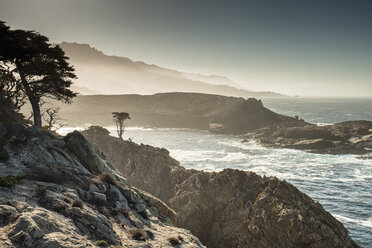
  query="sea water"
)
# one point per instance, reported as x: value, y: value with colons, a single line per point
x: 341, y: 183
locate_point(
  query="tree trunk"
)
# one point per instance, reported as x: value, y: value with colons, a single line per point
x: 37, y: 114
x: 34, y: 103
x: 121, y: 130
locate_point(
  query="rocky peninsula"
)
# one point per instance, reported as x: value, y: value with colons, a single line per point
x: 224, y: 115
x: 231, y: 208
x: 252, y: 120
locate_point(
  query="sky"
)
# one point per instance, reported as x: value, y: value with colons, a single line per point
x: 294, y: 47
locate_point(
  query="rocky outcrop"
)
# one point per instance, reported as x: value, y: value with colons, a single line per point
x: 353, y: 137
x: 58, y: 192
x: 230, y: 208
x: 248, y: 116
x: 131, y: 159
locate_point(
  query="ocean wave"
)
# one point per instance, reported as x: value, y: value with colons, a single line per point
x: 365, y: 223
x: 206, y: 155
x: 66, y: 130
x: 323, y: 124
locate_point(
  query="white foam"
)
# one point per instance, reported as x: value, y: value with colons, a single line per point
x: 66, y: 130
x: 365, y: 223
x: 323, y: 124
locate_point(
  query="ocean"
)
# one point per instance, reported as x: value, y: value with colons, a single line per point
x: 341, y: 183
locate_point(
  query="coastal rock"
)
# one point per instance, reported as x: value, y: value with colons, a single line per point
x: 231, y: 208
x: 351, y: 137
x: 248, y: 116
x: 48, y: 199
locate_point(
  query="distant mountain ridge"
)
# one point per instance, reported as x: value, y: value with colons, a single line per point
x: 106, y: 74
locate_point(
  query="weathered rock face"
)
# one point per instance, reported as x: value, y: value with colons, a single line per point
x: 131, y: 158
x: 230, y: 208
x: 353, y: 137
x: 233, y: 208
x: 58, y: 192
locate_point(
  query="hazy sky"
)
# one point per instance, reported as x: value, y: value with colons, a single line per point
x: 313, y: 47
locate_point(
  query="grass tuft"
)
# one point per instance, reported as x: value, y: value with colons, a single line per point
x: 10, y: 180
x: 101, y: 243
x: 106, y: 178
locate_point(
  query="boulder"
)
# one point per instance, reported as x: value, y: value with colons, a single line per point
x: 8, y: 214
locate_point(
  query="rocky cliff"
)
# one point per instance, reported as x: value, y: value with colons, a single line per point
x: 231, y: 208
x: 64, y: 192
x: 248, y: 116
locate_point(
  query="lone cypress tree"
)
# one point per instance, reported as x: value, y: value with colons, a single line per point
x: 119, y: 118
x: 40, y: 69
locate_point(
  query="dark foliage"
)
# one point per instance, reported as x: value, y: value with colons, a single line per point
x: 138, y: 234
x: 11, y: 180
x: 104, y: 210
x: 150, y: 234
x: 119, y: 118
x: 78, y: 203
x: 36, y: 68
x: 106, y: 178
x: 40, y: 192
x: 174, y: 241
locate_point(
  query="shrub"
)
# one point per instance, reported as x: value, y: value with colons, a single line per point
x: 101, y: 243
x: 106, y: 178
x: 40, y: 192
x: 10, y: 180
x: 150, y: 234
x: 104, y: 211
x: 138, y: 234
x: 78, y: 203
x: 174, y: 241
